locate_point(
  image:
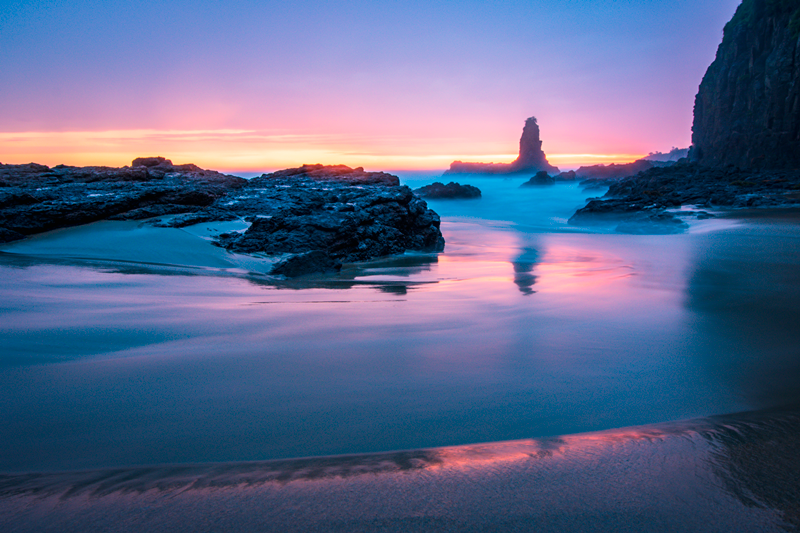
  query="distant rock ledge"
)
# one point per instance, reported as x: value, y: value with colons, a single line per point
x: 317, y: 216
x: 451, y: 191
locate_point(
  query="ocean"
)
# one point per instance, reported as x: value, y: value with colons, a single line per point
x: 144, y: 351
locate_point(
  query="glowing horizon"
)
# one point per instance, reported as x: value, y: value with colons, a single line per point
x: 246, y: 150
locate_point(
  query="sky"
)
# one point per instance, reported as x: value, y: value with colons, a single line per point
x: 261, y: 85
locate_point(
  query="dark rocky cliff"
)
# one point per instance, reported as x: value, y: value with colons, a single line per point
x: 747, y: 110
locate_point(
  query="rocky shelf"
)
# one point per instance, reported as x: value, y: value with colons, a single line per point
x: 648, y: 195
x: 452, y: 191
x: 316, y: 217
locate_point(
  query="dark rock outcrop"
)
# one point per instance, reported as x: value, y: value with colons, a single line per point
x: 35, y: 198
x: 452, y: 191
x: 349, y: 220
x: 570, y: 175
x: 673, y: 155
x: 747, y: 110
x: 541, y: 178
x: 333, y: 173
x: 653, y: 191
x: 531, y: 157
x: 317, y: 217
x: 613, y: 171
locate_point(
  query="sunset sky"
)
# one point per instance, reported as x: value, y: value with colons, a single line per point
x: 260, y: 85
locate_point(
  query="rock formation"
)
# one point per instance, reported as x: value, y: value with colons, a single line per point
x: 569, y: 175
x: 327, y: 216
x: 747, y: 110
x: 746, y: 131
x: 686, y: 183
x: 541, y: 178
x: 451, y: 191
x: 531, y: 158
x: 672, y: 156
x: 322, y: 216
x: 614, y: 171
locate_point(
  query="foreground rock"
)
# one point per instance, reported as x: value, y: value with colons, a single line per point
x: 746, y: 110
x: 35, y: 198
x: 451, y: 191
x: 315, y: 217
x: 531, y: 157
x: 347, y: 214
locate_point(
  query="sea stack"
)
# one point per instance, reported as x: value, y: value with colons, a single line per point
x: 531, y: 158
x: 747, y: 110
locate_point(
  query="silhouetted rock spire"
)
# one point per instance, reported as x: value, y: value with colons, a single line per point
x: 531, y: 157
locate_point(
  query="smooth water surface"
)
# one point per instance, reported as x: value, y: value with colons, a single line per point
x: 141, y: 352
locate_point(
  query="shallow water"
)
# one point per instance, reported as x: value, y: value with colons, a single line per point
x: 162, y: 349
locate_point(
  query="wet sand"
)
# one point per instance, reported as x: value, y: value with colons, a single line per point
x: 733, y: 473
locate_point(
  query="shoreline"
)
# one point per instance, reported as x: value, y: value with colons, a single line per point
x: 376, y: 462
x: 733, y: 466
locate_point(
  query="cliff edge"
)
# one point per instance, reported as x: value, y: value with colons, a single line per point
x: 747, y: 110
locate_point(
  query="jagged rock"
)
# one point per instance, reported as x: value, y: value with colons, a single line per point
x: 692, y: 184
x: 747, y: 110
x: 36, y: 198
x: 150, y: 211
x: 567, y: 176
x: 347, y: 213
x: 209, y: 214
x: 150, y: 162
x: 452, y: 190
x: 6, y: 235
x: 541, y: 178
x: 332, y: 173
x: 306, y: 263
x: 531, y: 157
x: 344, y: 214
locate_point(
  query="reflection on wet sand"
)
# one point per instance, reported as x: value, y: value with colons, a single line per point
x: 388, y: 275
x: 735, y: 472
x: 420, y: 351
x: 524, y: 265
x: 744, y: 293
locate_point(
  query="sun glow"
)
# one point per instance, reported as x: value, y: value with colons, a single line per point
x: 247, y: 150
